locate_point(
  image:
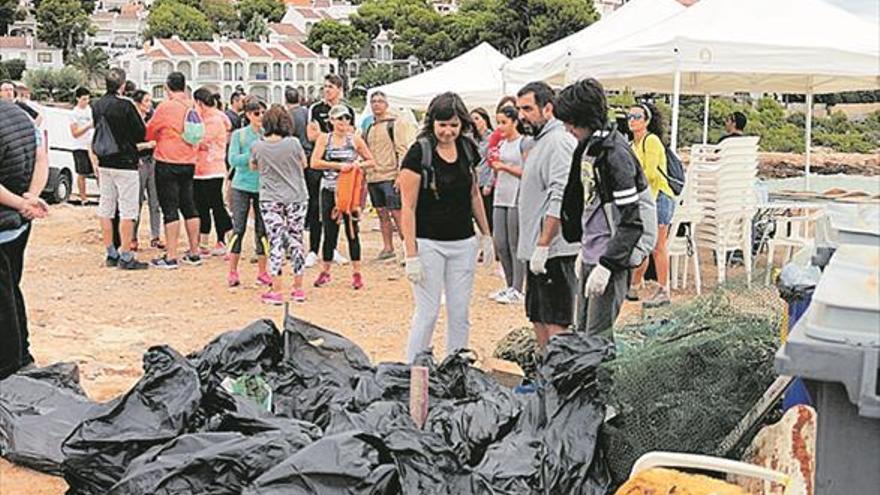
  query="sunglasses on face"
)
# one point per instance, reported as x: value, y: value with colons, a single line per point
x: 634, y: 116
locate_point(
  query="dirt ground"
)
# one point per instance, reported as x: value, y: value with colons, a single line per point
x: 104, y: 319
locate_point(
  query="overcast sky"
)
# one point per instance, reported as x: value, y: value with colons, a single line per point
x: 869, y: 9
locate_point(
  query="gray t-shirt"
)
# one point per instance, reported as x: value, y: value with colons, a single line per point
x: 281, y: 170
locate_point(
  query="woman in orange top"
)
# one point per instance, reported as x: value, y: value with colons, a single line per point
x: 209, y: 173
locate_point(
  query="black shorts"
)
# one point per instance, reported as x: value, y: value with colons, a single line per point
x: 174, y: 185
x: 550, y: 296
x: 82, y: 164
x: 383, y: 195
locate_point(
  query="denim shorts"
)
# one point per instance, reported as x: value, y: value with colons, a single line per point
x: 665, y: 208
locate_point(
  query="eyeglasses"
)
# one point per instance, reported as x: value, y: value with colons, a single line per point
x: 257, y: 113
x: 634, y: 116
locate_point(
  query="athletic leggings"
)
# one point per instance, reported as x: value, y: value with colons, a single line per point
x: 284, y: 224
x: 313, y: 215
x: 506, y: 237
x: 209, y: 198
x: 331, y: 229
x: 242, y: 202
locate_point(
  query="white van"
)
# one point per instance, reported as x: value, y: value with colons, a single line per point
x: 55, y: 127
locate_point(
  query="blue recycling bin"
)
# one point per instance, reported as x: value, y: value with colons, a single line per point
x: 798, y: 299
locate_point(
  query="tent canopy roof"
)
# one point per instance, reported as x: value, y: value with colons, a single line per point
x: 475, y: 75
x: 549, y: 63
x: 721, y: 46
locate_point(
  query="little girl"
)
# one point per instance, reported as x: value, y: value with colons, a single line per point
x: 280, y: 159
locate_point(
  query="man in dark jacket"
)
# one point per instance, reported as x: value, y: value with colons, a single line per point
x: 611, y: 184
x: 118, y: 130
x: 23, y: 174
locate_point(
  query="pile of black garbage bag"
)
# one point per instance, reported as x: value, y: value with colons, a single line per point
x: 339, y: 425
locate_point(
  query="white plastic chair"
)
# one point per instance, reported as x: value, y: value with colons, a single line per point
x: 791, y: 233
x: 791, y: 486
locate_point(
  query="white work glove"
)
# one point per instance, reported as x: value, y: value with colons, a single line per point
x: 487, y: 247
x: 579, y: 266
x: 537, y: 264
x: 597, y: 281
x: 414, y: 270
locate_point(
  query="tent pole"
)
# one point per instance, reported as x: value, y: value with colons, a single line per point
x: 808, y: 138
x: 706, y: 119
x: 676, y: 92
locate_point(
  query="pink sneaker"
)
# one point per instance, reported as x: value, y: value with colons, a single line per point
x: 298, y: 295
x: 323, y: 279
x: 273, y: 298
x: 357, y: 282
x: 232, y: 279
x: 264, y: 279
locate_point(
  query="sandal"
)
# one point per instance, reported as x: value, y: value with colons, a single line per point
x: 156, y: 243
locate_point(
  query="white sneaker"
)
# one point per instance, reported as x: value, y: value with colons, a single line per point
x: 311, y: 259
x: 498, y: 293
x: 339, y: 259
x: 504, y: 297
x: 514, y: 297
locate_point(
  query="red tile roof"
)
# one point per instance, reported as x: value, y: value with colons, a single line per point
x: 277, y: 54
x: 286, y: 29
x: 203, y: 48
x: 299, y: 50
x: 22, y: 42
x: 321, y: 4
x: 300, y: 3
x: 251, y: 49
x: 308, y: 13
x: 156, y: 53
x: 175, y: 47
x: 229, y: 52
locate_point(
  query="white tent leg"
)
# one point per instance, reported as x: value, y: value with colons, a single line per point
x: 808, y: 138
x: 706, y: 119
x: 676, y: 93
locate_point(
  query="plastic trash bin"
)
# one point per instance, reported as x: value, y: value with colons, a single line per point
x: 835, y: 348
x: 796, y: 288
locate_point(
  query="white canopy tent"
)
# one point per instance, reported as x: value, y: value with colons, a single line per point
x: 475, y: 75
x: 550, y: 63
x: 722, y: 46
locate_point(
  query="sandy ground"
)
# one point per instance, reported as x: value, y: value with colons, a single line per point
x: 104, y: 319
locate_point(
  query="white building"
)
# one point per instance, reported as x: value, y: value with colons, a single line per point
x: 303, y: 14
x: 263, y: 69
x: 119, y: 31
x: 35, y: 54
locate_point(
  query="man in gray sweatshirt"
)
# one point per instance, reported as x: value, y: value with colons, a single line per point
x: 551, y: 284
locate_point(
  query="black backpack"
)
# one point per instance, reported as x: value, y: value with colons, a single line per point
x: 429, y: 175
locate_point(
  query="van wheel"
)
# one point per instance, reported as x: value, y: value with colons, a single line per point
x: 62, y: 189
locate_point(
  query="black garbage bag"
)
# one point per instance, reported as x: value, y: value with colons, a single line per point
x: 222, y: 462
x: 62, y: 375
x: 427, y: 464
x: 379, y: 418
x: 554, y: 446
x: 350, y: 463
x: 39, y: 408
x: 314, y: 352
x: 160, y: 407
x: 321, y: 369
x: 253, y: 350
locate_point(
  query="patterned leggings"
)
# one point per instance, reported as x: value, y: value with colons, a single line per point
x: 284, y: 225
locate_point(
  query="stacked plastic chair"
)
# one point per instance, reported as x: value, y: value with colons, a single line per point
x: 682, y: 244
x: 724, y: 177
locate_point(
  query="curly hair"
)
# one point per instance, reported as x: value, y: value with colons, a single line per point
x: 655, y: 118
x: 277, y: 121
x: 582, y: 104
